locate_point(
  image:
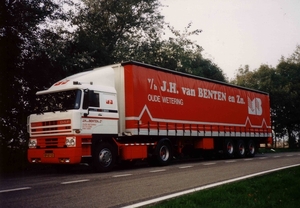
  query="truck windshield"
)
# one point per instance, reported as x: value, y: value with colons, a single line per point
x: 59, y: 101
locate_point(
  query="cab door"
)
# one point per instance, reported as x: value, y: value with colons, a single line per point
x: 102, y: 116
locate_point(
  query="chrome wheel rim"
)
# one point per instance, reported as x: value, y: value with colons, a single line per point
x: 105, y: 157
x: 164, y: 153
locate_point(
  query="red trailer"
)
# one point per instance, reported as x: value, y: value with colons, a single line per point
x: 132, y: 111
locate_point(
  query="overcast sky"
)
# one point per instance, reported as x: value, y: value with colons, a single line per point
x: 239, y: 32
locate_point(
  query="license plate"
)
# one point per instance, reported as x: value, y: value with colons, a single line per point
x: 49, y: 155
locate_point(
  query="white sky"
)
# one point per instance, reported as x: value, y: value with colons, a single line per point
x: 239, y: 32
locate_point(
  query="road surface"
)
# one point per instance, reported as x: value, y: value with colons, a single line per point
x: 82, y: 188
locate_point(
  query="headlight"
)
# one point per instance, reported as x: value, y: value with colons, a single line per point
x: 71, y: 141
x: 32, y: 143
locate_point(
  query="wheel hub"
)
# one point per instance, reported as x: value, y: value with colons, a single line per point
x: 105, y: 157
x: 164, y: 153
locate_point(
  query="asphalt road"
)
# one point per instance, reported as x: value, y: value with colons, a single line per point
x: 82, y: 188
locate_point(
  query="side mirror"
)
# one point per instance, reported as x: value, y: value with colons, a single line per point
x: 87, y: 100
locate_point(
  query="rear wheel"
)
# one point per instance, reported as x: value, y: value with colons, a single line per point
x: 104, y: 157
x: 251, y: 150
x: 229, y: 148
x: 241, y: 149
x: 163, y: 153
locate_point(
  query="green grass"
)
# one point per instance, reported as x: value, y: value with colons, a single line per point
x: 278, y: 189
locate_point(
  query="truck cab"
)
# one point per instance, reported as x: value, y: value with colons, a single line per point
x: 68, y: 114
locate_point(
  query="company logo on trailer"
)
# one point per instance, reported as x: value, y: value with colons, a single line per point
x: 254, y: 106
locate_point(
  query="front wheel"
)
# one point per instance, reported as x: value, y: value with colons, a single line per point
x: 104, y: 157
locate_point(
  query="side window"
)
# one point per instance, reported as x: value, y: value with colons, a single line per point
x: 91, y: 99
x: 95, y: 100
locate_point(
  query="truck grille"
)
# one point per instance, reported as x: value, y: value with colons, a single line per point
x: 52, y: 142
x: 51, y: 127
x: 58, y: 142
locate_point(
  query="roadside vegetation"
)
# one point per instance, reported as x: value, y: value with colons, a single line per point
x: 278, y: 189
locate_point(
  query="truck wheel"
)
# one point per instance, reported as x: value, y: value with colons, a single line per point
x: 251, y: 150
x: 163, y: 153
x: 229, y: 148
x: 241, y: 149
x: 104, y: 157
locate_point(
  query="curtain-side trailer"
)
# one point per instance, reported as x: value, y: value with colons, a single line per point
x: 134, y: 111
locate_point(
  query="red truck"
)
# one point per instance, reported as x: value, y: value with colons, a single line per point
x: 134, y: 111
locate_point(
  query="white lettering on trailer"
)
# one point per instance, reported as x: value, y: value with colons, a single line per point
x: 174, y: 101
x: 188, y: 91
x: 154, y: 98
x: 163, y: 99
x: 170, y: 89
x: 211, y: 94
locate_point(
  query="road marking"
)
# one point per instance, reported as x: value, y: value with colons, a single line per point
x: 123, y: 175
x: 262, y: 158
x: 78, y: 181
x: 156, y: 171
x: 276, y: 156
x: 159, y: 199
x: 230, y: 161
x: 248, y: 159
x: 15, y: 189
x: 183, y: 167
x: 289, y: 155
x: 208, y: 163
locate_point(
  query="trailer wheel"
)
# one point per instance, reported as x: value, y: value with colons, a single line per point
x: 104, y: 157
x: 251, y: 150
x: 163, y: 153
x: 241, y: 149
x: 229, y: 148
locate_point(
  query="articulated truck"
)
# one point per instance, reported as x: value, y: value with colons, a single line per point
x: 133, y: 111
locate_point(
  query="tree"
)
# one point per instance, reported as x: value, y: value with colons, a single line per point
x: 19, y: 38
x: 132, y: 30
x: 177, y: 53
x: 282, y: 83
x: 103, y: 26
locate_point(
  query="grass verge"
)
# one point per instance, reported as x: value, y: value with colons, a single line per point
x: 278, y: 189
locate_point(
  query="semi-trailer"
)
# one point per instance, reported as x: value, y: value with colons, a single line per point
x: 135, y: 111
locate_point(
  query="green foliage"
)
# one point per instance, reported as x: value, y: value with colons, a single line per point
x: 19, y: 46
x: 105, y: 27
x: 283, y: 85
x: 279, y: 189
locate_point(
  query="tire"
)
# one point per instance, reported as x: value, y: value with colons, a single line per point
x: 229, y: 148
x: 163, y: 153
x: 104, y: 157
x: 251, y: 149
x: 241, y: 149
